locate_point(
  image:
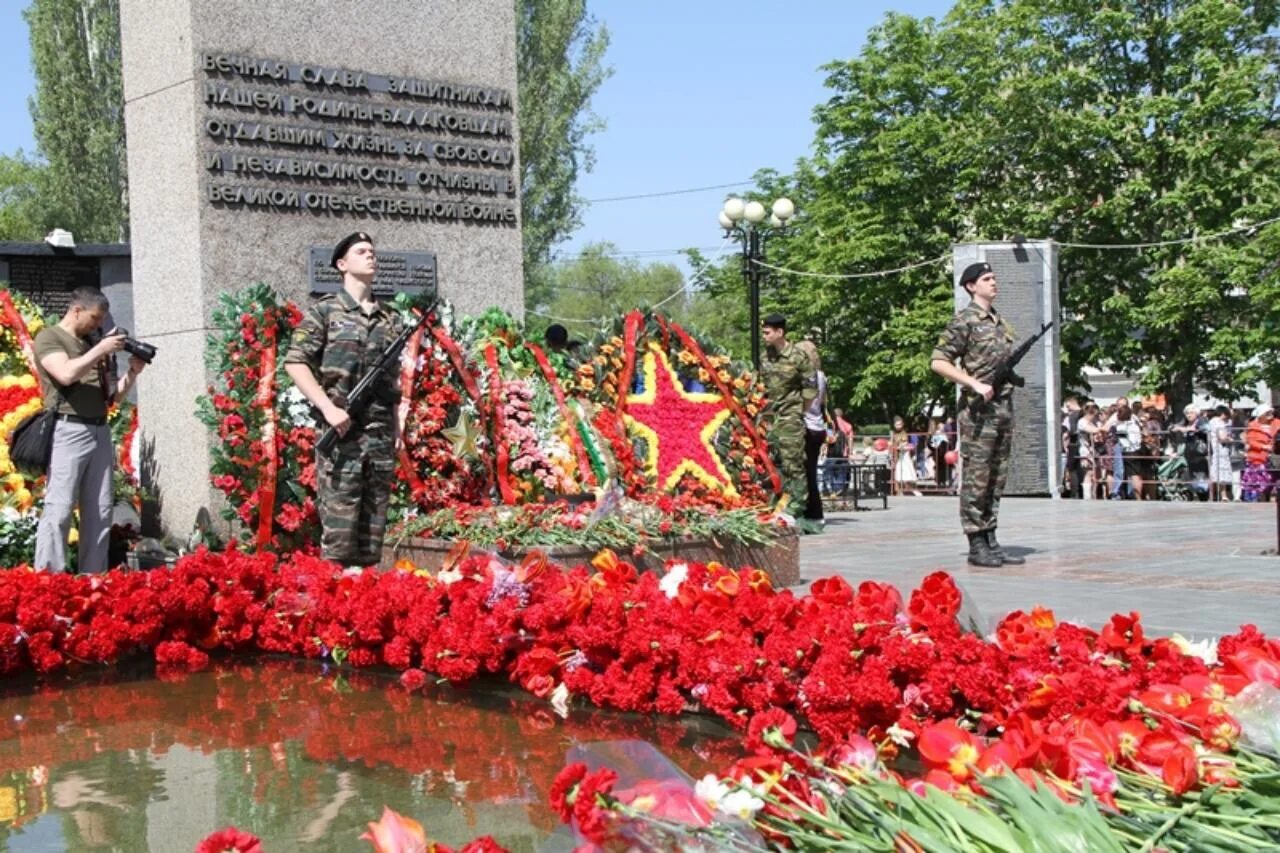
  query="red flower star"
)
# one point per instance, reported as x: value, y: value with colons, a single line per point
x: 678, y: 426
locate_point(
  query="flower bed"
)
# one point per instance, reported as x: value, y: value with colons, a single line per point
x: 1059, y: 701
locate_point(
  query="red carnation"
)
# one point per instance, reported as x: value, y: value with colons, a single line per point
x: 230, y: 840
x: 413, y: 679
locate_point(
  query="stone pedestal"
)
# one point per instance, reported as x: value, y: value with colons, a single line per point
x: 780, y: 558
x: 259, y: 130
x: 1028, y: 277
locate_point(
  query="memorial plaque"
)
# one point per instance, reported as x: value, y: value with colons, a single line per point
x: 398, y: 272
x: 48, y: 281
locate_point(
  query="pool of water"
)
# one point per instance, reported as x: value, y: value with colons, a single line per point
x: 300, y: 755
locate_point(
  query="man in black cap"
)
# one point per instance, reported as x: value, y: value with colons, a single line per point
x: 973, y: 344
x: 339, y: 337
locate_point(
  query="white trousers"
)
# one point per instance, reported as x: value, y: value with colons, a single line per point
x: 79, y: 476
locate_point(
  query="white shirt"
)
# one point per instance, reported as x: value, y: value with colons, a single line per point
x: 813, y: 414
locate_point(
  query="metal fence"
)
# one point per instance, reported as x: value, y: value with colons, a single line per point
x: 1168, y: 466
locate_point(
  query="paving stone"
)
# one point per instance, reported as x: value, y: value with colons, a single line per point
x: 1198, y: 569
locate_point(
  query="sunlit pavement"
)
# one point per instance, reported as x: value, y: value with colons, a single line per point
x: 1194, y: 568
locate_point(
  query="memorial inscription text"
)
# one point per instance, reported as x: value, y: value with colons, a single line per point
x: 294, y: 137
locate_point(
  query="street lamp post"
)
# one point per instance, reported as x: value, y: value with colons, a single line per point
x: 745, y: 223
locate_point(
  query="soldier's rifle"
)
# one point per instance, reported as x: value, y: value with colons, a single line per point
x: 1004, y: 373
x: 358, y: 399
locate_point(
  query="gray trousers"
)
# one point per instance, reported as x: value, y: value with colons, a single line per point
x: 79, y: 476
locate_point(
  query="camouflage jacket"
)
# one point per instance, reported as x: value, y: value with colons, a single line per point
x: 340, y: 342
x: 790, y: 382
x: 978, y: 340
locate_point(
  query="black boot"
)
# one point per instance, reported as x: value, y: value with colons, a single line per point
x: 980, y: 554
x: 1004, y: 555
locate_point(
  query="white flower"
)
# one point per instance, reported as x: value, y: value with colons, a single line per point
x: 710, y: 790
x: 1206, y: 650
x: 670, y: 583
x: 560, y: 700
x: 741, y: 803
x: 899, y: 735
x: 449, y: 576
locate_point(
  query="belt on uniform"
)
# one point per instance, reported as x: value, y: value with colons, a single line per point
x: 76, y: 419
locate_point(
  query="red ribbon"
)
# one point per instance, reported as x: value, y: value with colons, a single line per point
x: 630, y: 331
x: 19, y: 326
x: 566, y: 412
x: 499, y: 424
x: 265, y: 402
x: 408, y: 372
x: 455, y: 356
x: 749, y: 425
x: 450, y: 348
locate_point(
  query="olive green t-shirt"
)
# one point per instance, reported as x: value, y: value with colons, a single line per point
x: 84, y: 398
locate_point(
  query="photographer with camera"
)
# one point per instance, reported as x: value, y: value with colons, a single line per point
x: 78, y: 380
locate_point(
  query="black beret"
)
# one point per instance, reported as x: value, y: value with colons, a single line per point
x: 973, y: 272
x: 556, y: 334
x: 775, y: 321
x: 340, y: 250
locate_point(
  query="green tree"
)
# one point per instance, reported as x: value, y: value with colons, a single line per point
x: 1127, y: 122
x: 596, y: 287
x: 21, y: 214
x: 78, y: 109
x: 559, y: 55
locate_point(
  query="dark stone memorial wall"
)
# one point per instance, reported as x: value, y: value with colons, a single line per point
x: 1027, y: 275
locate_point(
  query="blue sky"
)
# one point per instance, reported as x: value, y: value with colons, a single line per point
x: 702, y: 94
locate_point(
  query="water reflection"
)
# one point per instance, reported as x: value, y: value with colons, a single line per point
x: 300, y: 756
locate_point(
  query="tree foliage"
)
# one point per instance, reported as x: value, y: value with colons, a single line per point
x: 594, y: 289
x: 78, y: 110
x: 1124, y: 122
x: 22, y: 217
x: 559, y: 54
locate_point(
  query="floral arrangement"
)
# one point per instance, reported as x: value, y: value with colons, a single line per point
x: 444, y: 444
x: 489, y: 421
x: 677, y: 414
x: 543, y: 445
x: 629, y: 526
x: 20, y: 320
x: 264, y: 461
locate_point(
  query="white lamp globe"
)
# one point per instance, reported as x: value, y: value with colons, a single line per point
x: 784, y: 209
x: 775, y: 222
x: 734, y: 208
x: 725, y: 222
x: 754, y: 212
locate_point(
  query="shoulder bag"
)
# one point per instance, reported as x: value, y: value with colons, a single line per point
x: 31, y: 444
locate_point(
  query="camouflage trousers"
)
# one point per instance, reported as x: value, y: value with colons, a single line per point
x: 787, y: 444
x: 984, y: 463
x: 353, y: 485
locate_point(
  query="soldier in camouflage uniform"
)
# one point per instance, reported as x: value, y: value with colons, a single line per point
x: 338, y: 340
x: 790, y: 384
x: 973, y: 344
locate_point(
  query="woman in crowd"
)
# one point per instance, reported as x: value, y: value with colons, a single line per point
x: 1091, y: 448
x: 1129, y: 445
x: 1257, y: 481
x: 904, y: 458
x: 1191, y: 439
x: 1220, y: 439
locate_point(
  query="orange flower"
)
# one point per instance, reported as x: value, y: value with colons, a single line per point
x: 945, y: 746
x: 395, y: 833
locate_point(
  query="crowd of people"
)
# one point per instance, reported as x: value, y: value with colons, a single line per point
x: 1135, y: 451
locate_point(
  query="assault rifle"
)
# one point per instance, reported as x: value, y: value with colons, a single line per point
x: 1004, y: 374
x: 358, y: 399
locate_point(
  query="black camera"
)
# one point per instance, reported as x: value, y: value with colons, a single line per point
x: 135, y: 347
